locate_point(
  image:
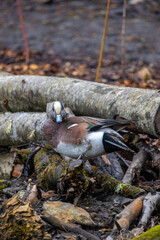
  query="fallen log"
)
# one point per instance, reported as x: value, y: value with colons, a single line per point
x: 31, y: 93
x: 53, y: 172
x: 113, y: 185
x: 19, y: 128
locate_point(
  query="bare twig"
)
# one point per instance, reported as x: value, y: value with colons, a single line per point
x: 150, y: 203
x: 136, y: 166
x: 23, y: 30
x: 128, y: 214
x: 152, y: 151
x: 68, y: 227
x: 103, y: 41
x: 123, y: 50
x: 29, y: 159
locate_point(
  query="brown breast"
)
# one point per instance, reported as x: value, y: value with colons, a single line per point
x: 50, y: 130
x: 54, y: 132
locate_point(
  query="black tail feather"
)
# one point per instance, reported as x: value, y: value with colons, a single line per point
x: 112, y: 144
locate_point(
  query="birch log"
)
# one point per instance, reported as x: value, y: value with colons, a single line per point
x: 31, y: 93
x: 19, y: 128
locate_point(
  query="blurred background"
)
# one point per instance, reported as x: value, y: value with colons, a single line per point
x: 64, y: 38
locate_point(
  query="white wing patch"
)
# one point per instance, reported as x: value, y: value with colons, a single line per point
x: 73, y: 125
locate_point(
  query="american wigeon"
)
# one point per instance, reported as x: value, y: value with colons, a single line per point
x: 84, y: 137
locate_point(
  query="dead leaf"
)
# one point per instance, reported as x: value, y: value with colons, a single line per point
x: 33, y: 196
x: 48, y: 194
x: 33, y: 66
x: 17, y: 170
x: 144, y: 74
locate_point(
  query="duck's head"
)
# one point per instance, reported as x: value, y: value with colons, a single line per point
x: 58, y: 112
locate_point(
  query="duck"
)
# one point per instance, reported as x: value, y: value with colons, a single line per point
x: 83, y: 137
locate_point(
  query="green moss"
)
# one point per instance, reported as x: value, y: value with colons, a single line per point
x: 3, y: 184
x: 49, y: 168
x: 23, y: 154
x: 31, y: 135
x: 24, y: 231
x: 40, y: 154
x: 43, y: 158
x: 40, y: 165
x: 47, y: 146
x: 108, y: 181
x: 117, y: 186
x: 50, y: 176
x: 151, y: 234
x: 83, y: 175
x: 2, y: 187
x: 20, y: 230
x: 9, y: 129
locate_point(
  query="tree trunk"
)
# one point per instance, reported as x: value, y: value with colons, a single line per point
x: 31, y: 93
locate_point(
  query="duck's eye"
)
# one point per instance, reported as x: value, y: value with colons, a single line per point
x: 62, y: 106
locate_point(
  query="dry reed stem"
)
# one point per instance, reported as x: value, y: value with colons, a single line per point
x: 103, y: 41
x: 23, y: 30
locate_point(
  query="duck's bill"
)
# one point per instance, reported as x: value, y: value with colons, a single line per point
x: 58, y: 118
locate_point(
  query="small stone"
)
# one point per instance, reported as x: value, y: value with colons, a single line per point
x: 67, y: 212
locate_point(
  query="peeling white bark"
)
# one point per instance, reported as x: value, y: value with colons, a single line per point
x: 31, y: 93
